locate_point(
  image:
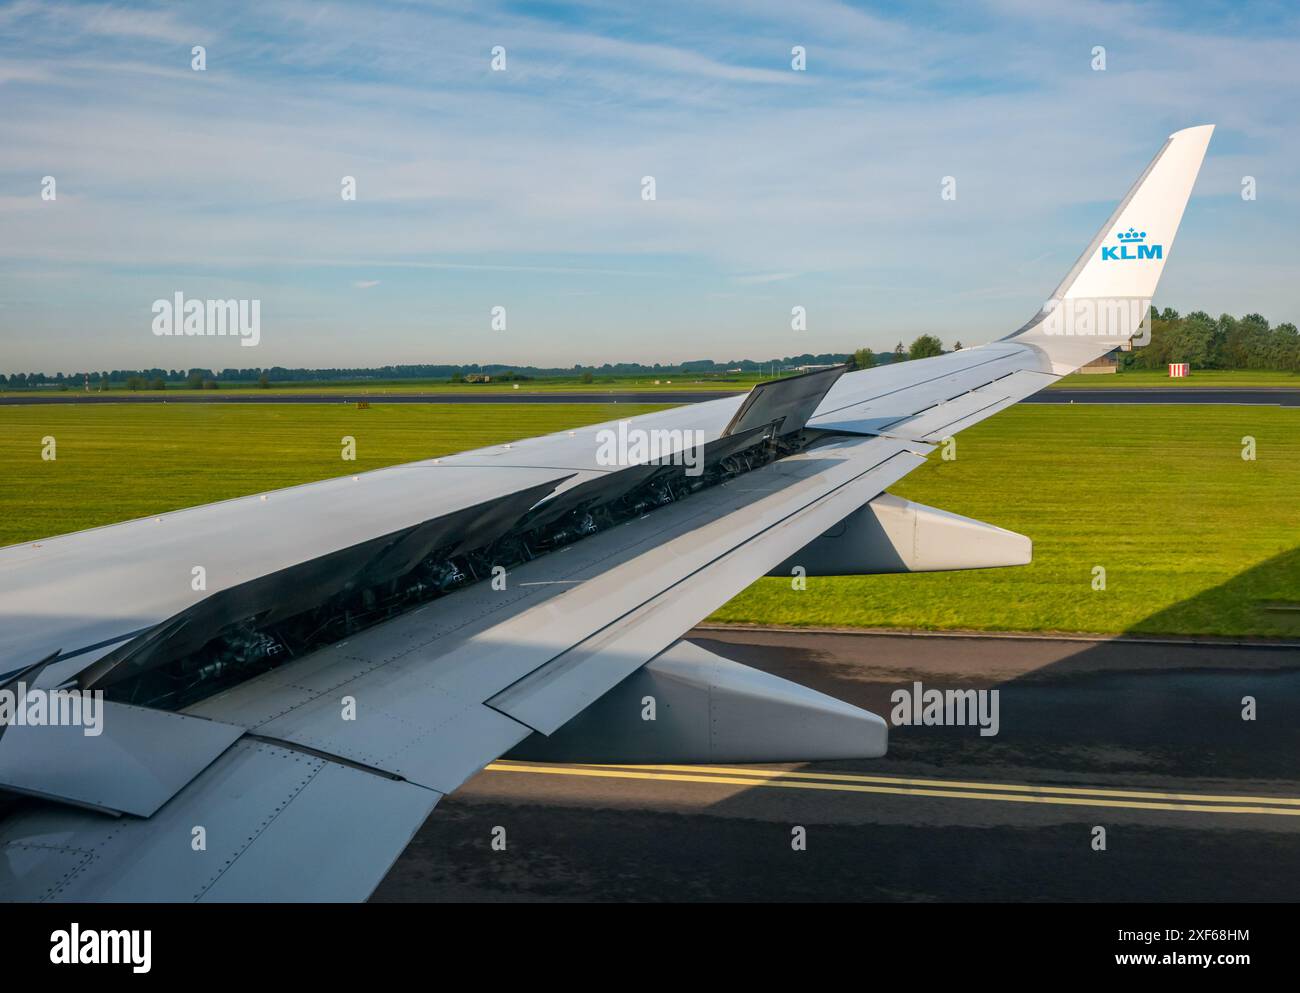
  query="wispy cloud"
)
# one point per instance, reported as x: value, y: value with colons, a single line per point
x: 763, y: 277
x: 87, y: 20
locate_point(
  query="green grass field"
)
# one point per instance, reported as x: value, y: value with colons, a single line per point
x: 1194, y: 539
x: 124, y: 461
x: 1199, y: 379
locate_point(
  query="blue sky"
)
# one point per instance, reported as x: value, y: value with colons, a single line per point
x: 522, y: 188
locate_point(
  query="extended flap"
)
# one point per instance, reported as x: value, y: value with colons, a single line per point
x: 132, y: 761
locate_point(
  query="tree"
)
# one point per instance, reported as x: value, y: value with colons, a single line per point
x: 262, y: 382
x: 158, y: 383
x: 957, y: 347
x: 864, y: 358
x: 587, y: 377
x: 925, y: 346
x: 1188, y: 340
x: 1288, y: 347
x: 1256, y: 341
x: 134, y: 383
x: 900, y: 353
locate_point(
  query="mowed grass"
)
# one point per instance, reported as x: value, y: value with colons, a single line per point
x: 125, y: 461
x: 1199, y: 379
x: 1194, y: 539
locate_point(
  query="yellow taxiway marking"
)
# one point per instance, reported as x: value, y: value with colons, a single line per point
x: 1010, y: 793
x: 962, y: 784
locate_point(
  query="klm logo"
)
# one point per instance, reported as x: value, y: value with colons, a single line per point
x: 1132, y: 245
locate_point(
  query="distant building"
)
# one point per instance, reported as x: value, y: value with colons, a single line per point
x: 1108, y: 363
x: 477, y: 377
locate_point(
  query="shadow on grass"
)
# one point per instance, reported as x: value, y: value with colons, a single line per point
x: 1264, y: 599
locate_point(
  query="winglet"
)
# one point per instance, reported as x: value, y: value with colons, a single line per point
x: 1103, y: 299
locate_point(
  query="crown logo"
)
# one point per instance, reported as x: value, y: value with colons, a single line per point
x: 1130, y: 235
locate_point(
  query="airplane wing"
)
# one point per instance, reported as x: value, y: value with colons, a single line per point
x: 267, y: 696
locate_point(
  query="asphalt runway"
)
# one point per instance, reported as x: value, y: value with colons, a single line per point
x: 1271, y: 396
x: 1144, y: 740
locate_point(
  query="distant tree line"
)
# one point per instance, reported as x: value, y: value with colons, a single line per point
x: 196, y: 378
x: 923, y: 347
x: 1225, y: 342
x: 1206, y: 342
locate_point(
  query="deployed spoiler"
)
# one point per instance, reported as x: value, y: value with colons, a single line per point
x: 786, y: 402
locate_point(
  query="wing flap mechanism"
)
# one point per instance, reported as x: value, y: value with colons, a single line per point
x: 892, y: 535
x: 692, y: 706
x: 300, y: 589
